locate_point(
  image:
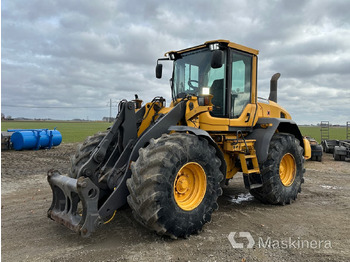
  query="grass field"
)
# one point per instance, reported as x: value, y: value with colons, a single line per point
x: 78, y: 131
x: 71, y: 131
x: 338, y: 133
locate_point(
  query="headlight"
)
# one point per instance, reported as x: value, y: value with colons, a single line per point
x: 205, y: 91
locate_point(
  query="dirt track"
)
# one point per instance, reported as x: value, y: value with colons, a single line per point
x: 314, y: 228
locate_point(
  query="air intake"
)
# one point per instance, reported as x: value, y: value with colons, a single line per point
x: 273, y: 87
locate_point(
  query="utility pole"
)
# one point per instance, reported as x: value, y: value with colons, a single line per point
x: 110, y: 104
x: 110, y: 110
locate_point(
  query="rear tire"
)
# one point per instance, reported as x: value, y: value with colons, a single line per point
x: 175, y: 184
x: 282, y: 172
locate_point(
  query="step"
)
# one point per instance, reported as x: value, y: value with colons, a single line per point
x: 255, y: 170
x: 249, y: 156
x: 253, y: 186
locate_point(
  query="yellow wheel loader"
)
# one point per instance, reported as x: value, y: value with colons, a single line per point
x: 169, y: 163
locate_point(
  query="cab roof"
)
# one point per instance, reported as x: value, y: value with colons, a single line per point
x: 229, y: 44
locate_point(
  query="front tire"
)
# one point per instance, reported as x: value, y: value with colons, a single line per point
x: 80, y: 158
x: 175, y: 184
x: 282, y: 172
x: 83, y: 153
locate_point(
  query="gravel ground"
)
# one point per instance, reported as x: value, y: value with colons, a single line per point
x: 316, y: 227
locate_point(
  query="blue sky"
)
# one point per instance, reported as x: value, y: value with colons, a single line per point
x: 68, y: 58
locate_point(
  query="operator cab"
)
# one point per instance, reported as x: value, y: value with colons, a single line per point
x: 197, y: 71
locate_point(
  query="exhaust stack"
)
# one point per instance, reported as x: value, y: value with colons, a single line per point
x: 273, y: 87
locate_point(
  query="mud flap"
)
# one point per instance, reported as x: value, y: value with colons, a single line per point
x: 69, y: 195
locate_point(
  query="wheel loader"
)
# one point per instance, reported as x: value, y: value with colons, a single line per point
x: 169, y: 164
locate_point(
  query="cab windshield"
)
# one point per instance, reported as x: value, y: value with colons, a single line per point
x: 193, y: 72
x: 193, y: 75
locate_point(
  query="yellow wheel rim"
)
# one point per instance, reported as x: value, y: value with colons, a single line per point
x: 190, y: 186
x: 287, y: 169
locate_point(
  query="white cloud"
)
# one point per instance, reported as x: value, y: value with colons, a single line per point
x: 82, y: 53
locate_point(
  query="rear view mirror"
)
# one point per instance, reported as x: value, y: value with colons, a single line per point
x: 216, y: 59
x: 159, y: 70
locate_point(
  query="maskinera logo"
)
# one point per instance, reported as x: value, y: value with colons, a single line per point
x: 247, y: 235
x: 268, y: 242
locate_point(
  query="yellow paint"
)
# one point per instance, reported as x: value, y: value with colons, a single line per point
x: 233, y: 145
x: 209, y: 123
x: 287, y: 169
x: 239, y: 149
x: 246, y: 118
x: 150, y: 115
x: 109, y: 220
x: 244, y: 157
x: 231, y: 169
x: 190, y: 185
x: 272, y: 109
x: 307, y: 148
x: 254, y: 94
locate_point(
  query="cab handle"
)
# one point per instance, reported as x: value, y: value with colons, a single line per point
x: 247, y: 118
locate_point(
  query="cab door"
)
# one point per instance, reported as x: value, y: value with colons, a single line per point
x: 241, y: 95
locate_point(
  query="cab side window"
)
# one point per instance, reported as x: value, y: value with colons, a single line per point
x: 241, y: 83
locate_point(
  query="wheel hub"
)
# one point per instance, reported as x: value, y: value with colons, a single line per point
x: 182, y: 185
x: 287, y: 169
x: 190, y: 186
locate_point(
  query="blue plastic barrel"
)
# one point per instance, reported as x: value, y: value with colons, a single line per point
x: 35, y: 138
